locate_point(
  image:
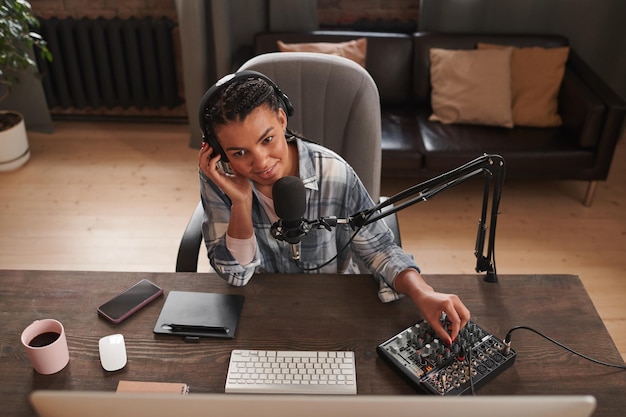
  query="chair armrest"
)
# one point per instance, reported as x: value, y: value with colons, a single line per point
x: 595, y: 83
x: 581, y: 110
x: 189, y: 249
x: 615, y: 112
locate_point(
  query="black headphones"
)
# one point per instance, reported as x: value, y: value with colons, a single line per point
x: 283, y: 102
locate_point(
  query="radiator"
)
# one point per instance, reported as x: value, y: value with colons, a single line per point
x: 109, y: 63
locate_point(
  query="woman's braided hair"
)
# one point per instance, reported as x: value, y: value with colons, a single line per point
x: 237, y: 100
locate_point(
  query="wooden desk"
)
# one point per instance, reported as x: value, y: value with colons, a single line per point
x: 307, y: 312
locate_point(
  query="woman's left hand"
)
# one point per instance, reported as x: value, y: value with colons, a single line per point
x: 237, y: 187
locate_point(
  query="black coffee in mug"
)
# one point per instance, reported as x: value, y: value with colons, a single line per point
x: 44, y: 339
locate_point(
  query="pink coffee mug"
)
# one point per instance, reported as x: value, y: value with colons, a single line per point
x: 46, y: 346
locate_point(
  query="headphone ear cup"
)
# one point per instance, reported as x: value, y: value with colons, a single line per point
x: 217, y: 148
x: 285, y: 103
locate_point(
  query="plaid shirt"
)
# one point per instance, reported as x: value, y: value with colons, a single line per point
x: 332, y: 189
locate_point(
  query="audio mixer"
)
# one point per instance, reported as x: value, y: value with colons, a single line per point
x: 470, y: 362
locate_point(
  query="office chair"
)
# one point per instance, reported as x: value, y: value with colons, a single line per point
x: 337, y: 105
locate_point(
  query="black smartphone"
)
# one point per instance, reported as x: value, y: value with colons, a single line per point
x: 222, y: 166
x: 129, y: 301
x: 225, y: 168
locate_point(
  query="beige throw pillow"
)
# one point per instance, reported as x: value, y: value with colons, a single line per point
x: 536, y: 76
x: 471, y: 86
x: 355, y: 50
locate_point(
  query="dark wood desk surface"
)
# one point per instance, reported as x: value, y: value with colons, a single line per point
x: 306, y: 312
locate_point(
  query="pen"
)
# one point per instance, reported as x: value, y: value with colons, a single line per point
x: 198, y: 329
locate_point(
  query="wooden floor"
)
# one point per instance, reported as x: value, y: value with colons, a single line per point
x: 116, y: 197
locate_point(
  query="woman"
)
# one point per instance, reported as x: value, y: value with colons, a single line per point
x: 244, y: 121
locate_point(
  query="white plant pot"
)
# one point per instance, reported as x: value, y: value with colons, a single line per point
x: 14, y: 150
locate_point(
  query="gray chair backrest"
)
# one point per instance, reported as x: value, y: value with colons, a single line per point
x: 336, y: 104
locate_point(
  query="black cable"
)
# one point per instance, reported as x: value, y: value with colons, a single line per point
x: 315, y: 268
x: 507, y: 343
x: 348, y: 243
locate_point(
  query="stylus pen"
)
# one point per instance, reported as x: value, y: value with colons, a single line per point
x: 198, y: 329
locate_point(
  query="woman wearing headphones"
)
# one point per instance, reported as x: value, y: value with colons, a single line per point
x: 244, y: 122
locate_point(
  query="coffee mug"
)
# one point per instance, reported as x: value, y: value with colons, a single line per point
x: 46, y: 346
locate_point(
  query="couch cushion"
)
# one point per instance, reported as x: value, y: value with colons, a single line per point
x: 528, y: 152
x: 424, y: 42
x: 471, y: 86
x: 355, y: 50
x: 536, y: 76
x: 401, y: 154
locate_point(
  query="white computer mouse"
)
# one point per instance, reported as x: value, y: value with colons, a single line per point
x: 112, y: 352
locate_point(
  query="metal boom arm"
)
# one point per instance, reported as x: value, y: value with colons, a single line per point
x: 493, y: 168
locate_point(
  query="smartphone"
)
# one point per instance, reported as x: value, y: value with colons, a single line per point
x: 222, y: 166
x: 129, y: 301
x: 225, y: 168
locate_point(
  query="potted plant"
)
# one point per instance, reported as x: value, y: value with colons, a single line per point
x: 17, y: 40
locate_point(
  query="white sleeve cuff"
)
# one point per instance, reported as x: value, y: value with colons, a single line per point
x: 243, y: 250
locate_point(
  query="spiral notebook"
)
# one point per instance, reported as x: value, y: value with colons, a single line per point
x: 199, y: 314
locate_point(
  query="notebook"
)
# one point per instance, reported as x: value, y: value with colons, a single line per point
x: 199, y: 314
x: 106, y: 404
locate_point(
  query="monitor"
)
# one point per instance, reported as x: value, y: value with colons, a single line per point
x: 106, y: 404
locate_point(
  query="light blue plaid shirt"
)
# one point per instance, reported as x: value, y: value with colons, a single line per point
x: 332, y: 189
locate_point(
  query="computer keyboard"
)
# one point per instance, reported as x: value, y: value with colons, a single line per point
x: 291, y: 372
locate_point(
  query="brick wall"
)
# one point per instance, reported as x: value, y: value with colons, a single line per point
x: 105, y: 8
x: 384, y: 13
x: 330, y: 12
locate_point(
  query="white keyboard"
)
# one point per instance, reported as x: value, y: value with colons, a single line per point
x: 291, y: 372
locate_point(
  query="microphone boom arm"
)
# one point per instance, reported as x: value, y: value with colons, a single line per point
x: 493, y: 168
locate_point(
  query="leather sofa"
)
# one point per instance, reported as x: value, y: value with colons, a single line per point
x: 412, y: 146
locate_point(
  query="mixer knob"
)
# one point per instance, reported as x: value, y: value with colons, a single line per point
x: 436, y: 344
x: 419, y: 342
x: 461, y: 354
x: 426, y: 350
x: 409, y: 335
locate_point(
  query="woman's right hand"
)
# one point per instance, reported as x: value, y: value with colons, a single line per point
x: 237, y: 187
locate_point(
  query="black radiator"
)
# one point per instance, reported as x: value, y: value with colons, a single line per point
x: 109, y: 62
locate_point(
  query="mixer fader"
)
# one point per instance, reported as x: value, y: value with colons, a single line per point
x: 446, y: 370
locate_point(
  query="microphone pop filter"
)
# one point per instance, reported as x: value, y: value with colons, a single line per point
x: 289, y: 198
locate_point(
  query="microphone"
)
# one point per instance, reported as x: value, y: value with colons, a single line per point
x: 290, y: 204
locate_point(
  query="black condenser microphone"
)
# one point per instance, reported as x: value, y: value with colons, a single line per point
x: 290, y: 204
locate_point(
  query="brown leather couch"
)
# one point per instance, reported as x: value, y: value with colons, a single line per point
x: 412, y: 146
